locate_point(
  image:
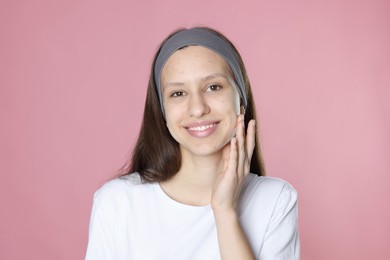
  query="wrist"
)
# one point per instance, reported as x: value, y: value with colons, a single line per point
x: 225, y: 215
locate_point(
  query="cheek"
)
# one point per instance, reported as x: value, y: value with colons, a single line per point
x: 237, y: 105
x: 232, y: 106
x: 232, y: 103
x: 230, y: 122
x: 173, y: 131
x: 170, y: 119
x: 170, y: 124
x: 173, y: 118
x: 233, y: 123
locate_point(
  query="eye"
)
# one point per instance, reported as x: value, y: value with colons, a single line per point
x: 177, y: 94
x: 213, y: 87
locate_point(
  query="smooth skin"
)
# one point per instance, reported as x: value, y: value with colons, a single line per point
x: 202, y: 108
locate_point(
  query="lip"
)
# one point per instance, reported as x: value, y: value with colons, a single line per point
x: 202, y: 129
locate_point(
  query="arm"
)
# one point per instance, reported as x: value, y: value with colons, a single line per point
x: 282, y: 239
x: 100, y: 241
x: 233, y: 243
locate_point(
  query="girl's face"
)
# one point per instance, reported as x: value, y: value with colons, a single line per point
x: 200, y: 100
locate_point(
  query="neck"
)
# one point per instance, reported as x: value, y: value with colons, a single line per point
x: 194, y: 182
x: 200, y: 170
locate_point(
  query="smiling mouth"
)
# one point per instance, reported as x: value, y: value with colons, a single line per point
x: 201, y: 128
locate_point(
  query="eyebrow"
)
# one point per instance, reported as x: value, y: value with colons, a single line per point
x: 207, y: 78
x: 213, y: 76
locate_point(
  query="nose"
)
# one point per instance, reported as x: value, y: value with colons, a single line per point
x: 198, y: 105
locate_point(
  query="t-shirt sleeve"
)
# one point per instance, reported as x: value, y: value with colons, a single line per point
x: 101, y: 228
x: 282, y: 239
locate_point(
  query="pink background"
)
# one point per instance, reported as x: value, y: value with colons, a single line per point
x: 72, y: 88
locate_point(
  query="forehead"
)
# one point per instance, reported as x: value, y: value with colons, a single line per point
x: 195, y: 57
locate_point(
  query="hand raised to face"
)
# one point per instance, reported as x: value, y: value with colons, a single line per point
x: 237, y: 158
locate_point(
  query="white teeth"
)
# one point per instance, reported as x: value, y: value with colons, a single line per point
x: 201, y: 128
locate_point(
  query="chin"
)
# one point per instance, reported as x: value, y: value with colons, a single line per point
x: 206, y: 149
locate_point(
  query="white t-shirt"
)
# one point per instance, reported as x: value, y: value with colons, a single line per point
x: 133, y: 220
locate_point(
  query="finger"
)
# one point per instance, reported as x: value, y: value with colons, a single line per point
x: 250, y: 142
x: 232, y: 164
x: 241, y: 145
x: 226, y: 156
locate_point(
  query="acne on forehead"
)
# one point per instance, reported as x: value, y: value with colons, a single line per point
x: 178, y: 60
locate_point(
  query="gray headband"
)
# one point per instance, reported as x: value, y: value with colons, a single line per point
x: 205, y: 38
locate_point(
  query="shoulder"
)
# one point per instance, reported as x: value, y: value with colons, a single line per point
x: 117, y: 190
x: 267, y: 191
x: 267, y: 185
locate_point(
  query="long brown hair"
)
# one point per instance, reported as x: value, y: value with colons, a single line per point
x: 156, y: 155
